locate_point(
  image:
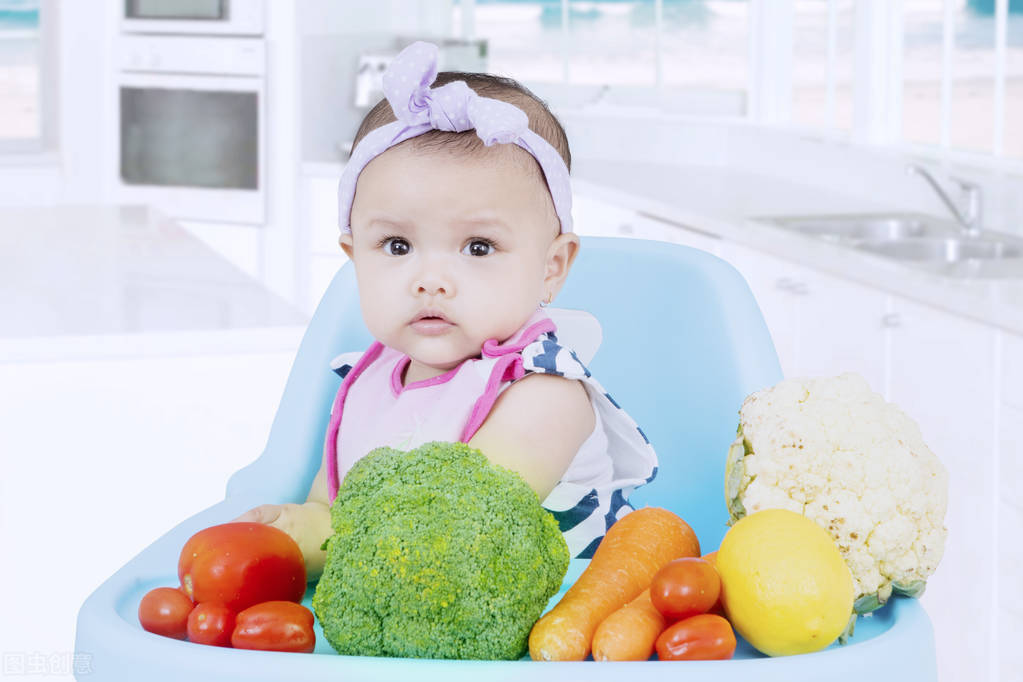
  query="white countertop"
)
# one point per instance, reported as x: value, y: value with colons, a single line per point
x: 727, y: 203
x: 110, y: 280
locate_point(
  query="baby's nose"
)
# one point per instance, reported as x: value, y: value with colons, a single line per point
x: 432, y: 287
x: 434, y: 279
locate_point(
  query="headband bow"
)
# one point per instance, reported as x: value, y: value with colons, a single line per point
x: 454, y: 107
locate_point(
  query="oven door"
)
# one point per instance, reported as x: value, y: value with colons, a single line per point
x: 193, y: 146
x: 201, y: 17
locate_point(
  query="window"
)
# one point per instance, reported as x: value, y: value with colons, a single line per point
x: 23, y: 125
x: 941, y: 76
x: 822, y: 64
x: 963, y: 75
x: 649, y: 50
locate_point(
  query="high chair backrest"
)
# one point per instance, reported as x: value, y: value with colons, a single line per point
x: 683, y: 344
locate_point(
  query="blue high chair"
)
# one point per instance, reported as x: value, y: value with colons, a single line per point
x: 683, y: 344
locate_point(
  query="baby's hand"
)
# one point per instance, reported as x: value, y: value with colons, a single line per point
x: 308, y: 524
x: 264, y: 513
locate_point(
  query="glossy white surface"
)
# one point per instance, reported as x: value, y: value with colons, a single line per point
x: 727, y: 202
x: 115, y: 280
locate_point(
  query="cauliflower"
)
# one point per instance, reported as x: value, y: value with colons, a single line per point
x: 836, y: 452
x: 437, y: 553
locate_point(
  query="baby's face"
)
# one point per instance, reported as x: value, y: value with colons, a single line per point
x: 471, y: 238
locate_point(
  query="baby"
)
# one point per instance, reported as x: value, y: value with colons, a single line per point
x: 455, y: 211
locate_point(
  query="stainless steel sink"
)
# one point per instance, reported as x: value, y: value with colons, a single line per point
x: 942, y: 250
x: 920, y: 241
x: 857, y: 228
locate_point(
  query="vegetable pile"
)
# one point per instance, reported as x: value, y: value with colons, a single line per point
x: 831, y: 449
x: 645, y: 589
x: 241, y: 586
x: 436, y: 553
x: 835, y: 503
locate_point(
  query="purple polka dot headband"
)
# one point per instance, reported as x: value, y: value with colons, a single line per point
x: 453, y: 107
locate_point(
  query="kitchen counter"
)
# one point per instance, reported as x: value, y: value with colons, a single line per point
x: 728, y: 203
x: 93, y: 281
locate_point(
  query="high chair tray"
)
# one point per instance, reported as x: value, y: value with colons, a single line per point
x: 896, y: 643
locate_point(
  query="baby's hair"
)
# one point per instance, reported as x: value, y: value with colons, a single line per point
x: 541, y: 120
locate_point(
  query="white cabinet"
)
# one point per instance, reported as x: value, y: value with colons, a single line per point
x: 942, y: 375
x: 840, y: 328
x: 1009, y: 549
x: 1010, y: 508
x: 821, y: 325
x: 770, y: 280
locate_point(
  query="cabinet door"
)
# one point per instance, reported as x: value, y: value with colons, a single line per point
x: 770, y: 279
x: 840, y: 328
x: 676, y: 233
x: 1010, y: 508
x: 943, y: 376
x: 1009, y: 548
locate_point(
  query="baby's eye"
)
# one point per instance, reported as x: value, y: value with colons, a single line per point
x: 480, y: 247
x: 394, y: 246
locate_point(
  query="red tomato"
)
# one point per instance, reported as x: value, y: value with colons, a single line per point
x: 701, y: 638
x: 275, y: 626
x: 240, y: 564
x: 164, y: 611
x: 211, y: 623
x: 684, y: 588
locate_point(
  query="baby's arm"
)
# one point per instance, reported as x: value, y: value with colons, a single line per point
x: 308, y: 524
x: 536, y: 427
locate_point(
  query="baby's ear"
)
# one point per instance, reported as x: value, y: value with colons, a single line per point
x: 346, y: 242
x: 560, y: 256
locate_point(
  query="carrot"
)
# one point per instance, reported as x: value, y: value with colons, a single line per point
x: 632, y: 551
x: 717, y: 609
x: 629, y: 633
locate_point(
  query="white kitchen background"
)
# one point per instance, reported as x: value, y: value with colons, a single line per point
x: 691, y: 121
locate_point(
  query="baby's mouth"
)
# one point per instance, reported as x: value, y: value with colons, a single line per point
x: 431, y: 324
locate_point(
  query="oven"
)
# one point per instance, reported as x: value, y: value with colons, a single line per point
x: 201, y: 17
x: 191, y: 126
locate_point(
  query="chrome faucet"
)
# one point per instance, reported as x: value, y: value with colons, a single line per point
x: 968, y: 219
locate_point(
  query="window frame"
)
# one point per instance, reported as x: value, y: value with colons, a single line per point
x: 718, y: 105
x: 878, y: 81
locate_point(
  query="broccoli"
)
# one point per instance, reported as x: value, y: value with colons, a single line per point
x: 437, y: 553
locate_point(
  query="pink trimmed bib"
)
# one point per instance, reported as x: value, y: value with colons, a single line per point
x: 378, y: 411
x: 372, y: 409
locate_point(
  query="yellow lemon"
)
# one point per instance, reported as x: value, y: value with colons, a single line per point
x: 784, y: 584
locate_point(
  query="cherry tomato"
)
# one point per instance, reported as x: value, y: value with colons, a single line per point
x: 164, y: 611
x: 211, y: 623
x: 240, y: 564
x: 685, y: 587
x: 275, y: 626
x: 701, y: 638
